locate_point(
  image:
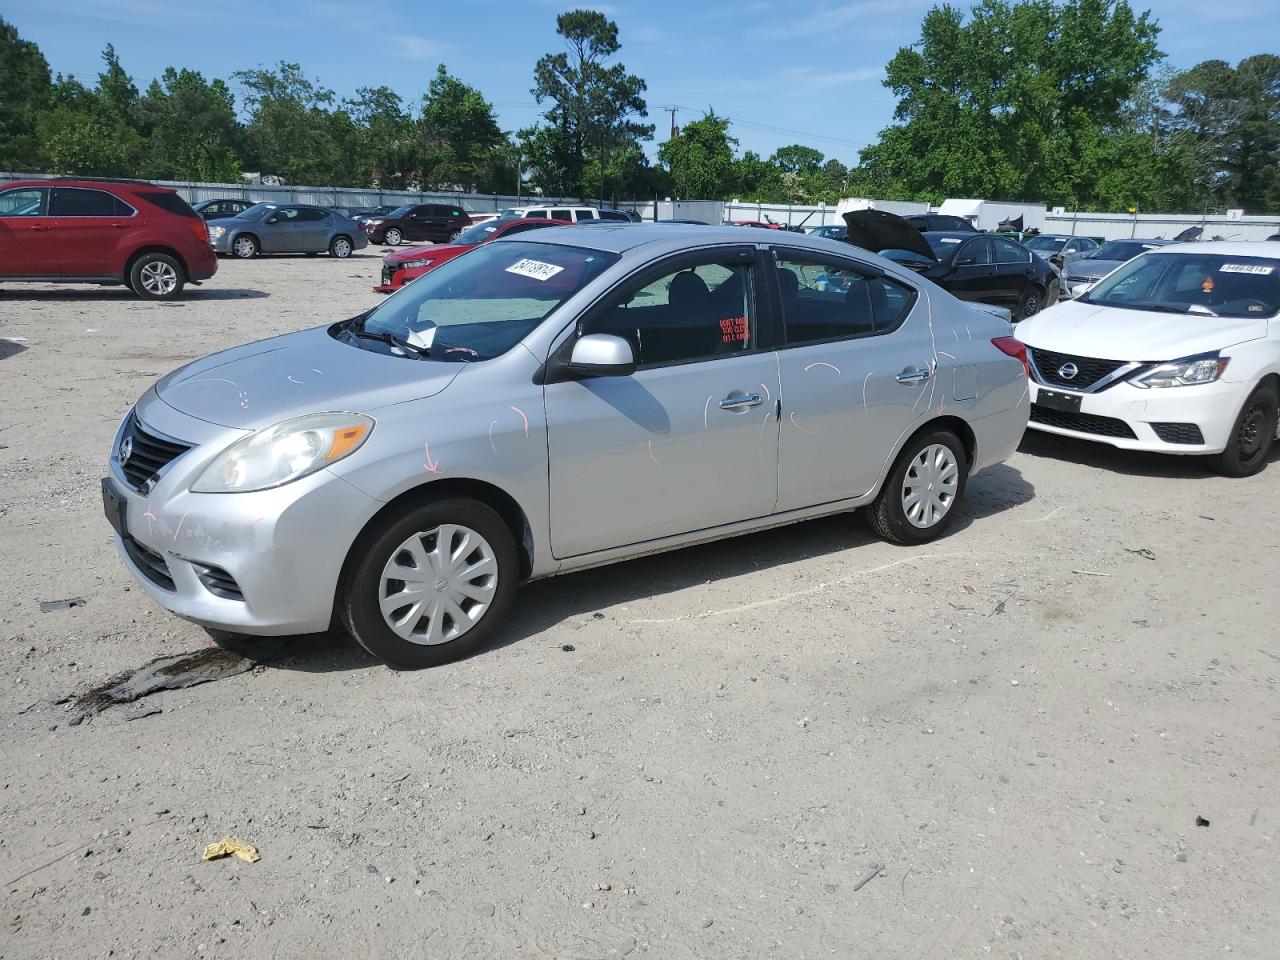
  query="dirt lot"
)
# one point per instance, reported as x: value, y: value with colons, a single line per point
x: 700, y: 755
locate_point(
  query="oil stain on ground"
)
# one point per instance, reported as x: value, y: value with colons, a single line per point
x: 166, y: 673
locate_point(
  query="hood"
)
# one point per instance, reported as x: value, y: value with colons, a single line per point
x: 1089, y: 330
x: 877, y: 230
x: 439, y: 251
x: 228, y: 222
x: 262, y: 383
x: 1093, y: 269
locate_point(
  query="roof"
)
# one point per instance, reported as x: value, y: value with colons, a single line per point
x: 618, y: 237
x: 1231, y: 248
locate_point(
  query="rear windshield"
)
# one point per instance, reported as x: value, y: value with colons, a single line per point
x: 169, y: 202
x: 481, y: 305
x: 1212, y: 284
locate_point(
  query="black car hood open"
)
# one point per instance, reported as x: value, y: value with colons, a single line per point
x: 877, y: 230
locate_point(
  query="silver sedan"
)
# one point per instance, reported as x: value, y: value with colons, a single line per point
x: 286, y: 228
x: 546, y: 403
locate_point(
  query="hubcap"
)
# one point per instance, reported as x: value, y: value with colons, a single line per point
x: 159, y: 278
x: 341, y: 248
x: 438, y: 584
x: 929, y: 488
x: 393, y: 237
x: 244, y: 247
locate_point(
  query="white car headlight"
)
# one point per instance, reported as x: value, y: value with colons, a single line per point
x: 288, y: 451
x: 1205, y: 368
x: 414, y: 263
x: 216, y: 232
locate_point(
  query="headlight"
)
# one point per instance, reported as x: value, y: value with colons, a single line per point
x: 1205, y: 368
x: 216, y: 232
x: 285, y: 452
x: 413, y: 263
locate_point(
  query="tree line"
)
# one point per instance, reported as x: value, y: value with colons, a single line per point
x: 1067, y: 102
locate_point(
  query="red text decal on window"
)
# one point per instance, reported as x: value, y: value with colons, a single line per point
x: 733, y: 330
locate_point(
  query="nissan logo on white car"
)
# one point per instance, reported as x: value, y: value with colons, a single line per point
x: 1068, y: 371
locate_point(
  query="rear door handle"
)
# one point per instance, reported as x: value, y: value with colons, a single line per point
x: 38, y: 226
x: 913, y: 376
x: 739, y: 403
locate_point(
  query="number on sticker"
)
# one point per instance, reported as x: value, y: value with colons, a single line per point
x: 1253, y: 268
x: 534, y: 269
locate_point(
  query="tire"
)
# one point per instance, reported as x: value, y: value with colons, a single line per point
x: 245, y: 247
x: 392, y: 237
x: 887, y: 514
x: 341, y: 247
x: 1252, y: 436
x: 157, y: 276
x: 454, y: 235
x: 1029, y: 304
x: 391, y: 542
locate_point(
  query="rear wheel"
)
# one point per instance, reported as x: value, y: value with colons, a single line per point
x: 918, y: 500
x: 156, y: 276
x: 340, y: 247
x: 454, y: 235
x: 1252, y: 438
x: 1030, y: 303
x: 431, y: 584
x: 245, y: 247
x: 392, y: 237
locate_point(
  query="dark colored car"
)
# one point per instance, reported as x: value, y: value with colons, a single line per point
x: 401, y: 266
x: 436, y: 222
x: 361, y: 214
x: 940, y: 221
x: 971, y: 266
x: 620, y: 216
x: 103, y: 231
x: 219, y: 209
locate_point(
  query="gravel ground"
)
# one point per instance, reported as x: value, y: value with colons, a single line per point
x: 699, y: 755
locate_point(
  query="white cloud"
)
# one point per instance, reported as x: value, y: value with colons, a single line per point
x: 419, y: 48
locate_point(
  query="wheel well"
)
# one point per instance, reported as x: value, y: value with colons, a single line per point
x: 154, y: 248
x: 1271, y: 380
x: 957, y: 426
x: 488, y: 494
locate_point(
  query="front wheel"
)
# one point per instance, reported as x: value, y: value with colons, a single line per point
x: 340, y: 247
x: 1252, y: 437
x: 245, y: 247
x: 918, y: 500
x: 431, y: 584
x: 156, y: 276
x: 392, y: 237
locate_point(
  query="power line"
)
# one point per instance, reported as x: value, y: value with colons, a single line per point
x: 769, y: 128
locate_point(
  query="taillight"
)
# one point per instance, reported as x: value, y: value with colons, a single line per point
x: 198, y: 229
x: 1013, y: 347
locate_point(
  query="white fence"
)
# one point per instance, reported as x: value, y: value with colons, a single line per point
x: 1121, y: 226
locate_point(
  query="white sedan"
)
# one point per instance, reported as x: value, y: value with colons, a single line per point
x: 1178, y: 351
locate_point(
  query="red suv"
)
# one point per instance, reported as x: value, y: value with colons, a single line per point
x: 105, y: 232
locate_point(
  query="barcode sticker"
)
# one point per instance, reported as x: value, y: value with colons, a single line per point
x: 534, y: 269
x: 1254, y: 268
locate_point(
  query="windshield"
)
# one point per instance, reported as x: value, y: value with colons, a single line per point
x: 478, y: 233
x: 1121, y: 250
x: 944, y: 247
x: 1045, y: 244
x: 398, y: 211
x: 1212, y: 284
x: 481, y: 305
x: 256, y: 212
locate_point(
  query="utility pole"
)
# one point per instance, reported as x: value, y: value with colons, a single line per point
x: 672, y: 110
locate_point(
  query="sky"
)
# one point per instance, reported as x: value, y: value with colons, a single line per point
x: 784, y: 71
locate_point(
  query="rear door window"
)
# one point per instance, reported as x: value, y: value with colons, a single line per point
x: 79, y: 202
x: 825, y: 300
x: 560, y: 215
x: 311, y: 214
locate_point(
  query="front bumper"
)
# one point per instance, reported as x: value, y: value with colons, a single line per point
x: 1159, y: 419
x: 259, y: 563
x: 395, y: 276
x: 222, y: 244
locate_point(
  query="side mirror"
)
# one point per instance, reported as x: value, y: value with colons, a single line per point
x: 274, y: 218
x: 602, y: 355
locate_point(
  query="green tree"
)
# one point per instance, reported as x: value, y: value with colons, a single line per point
x: 291, y: 129
x: 700, y: 158
x: 595, y: 104
x: 1002, y: 105
x: 797, y: 159
x: 25, y: 92
x: 386, y: 153
x: 192, y: 128
x: 459, y: 139
x: 757, y: 179
x: 93, y: 132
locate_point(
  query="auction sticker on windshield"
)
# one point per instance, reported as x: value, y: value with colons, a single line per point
x: 534, y: 269
x: 1254, y: 268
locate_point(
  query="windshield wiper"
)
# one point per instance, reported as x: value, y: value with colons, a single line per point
x: 356, y: 329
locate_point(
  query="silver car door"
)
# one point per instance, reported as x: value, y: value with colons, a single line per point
x: 280, y: 231
x: 856, y: 368
x: 314, y: 225
x: 689, y: 440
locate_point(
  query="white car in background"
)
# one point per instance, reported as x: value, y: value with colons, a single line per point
x: 1177, y: 351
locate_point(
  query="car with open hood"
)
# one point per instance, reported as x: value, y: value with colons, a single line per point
x: 547, y: 402
x: 1083, y: 272
x: 972, y: 266
x: 1176, y: 351
x: 403, y: 266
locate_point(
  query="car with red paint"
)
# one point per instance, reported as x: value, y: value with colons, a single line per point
x: 400, y: 267
x: 106, y: 232
x: 754, y: 223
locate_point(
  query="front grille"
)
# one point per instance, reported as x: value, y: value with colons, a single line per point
x: 1090, y: 370
x: 218, y: 582
x: 150, y: 563
x: 1082, y: 422
x: 1188, y: 433
x: 149, y: 454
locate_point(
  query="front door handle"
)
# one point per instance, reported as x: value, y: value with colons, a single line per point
x: 38, y: 226
x: 742, y: 402
x: 913, y: 376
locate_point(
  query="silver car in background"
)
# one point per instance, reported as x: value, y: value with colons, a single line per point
x: 1083, y: 272
x: 286, y: 228
x: 550, y: 402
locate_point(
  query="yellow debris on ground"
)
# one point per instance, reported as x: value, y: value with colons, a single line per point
x: 229, y: 845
